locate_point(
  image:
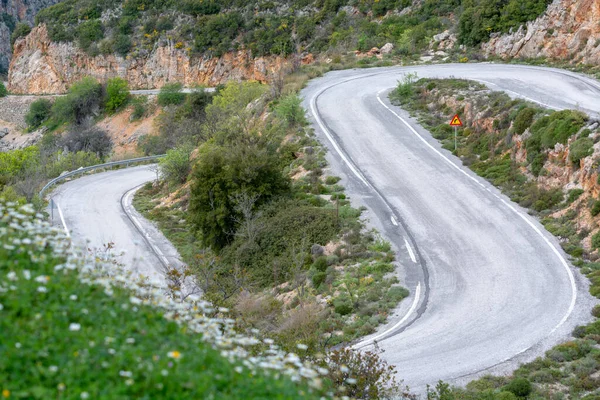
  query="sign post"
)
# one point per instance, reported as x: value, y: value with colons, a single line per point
x: 456, y: 122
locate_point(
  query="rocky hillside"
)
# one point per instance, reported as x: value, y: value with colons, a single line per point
x: 567, y: 31
x: 12, y: 12
x: 42, y: 66
x: 150, y: 42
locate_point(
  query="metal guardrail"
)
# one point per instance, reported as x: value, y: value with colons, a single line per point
x: 99, y: 166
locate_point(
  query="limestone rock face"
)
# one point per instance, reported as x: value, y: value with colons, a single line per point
x: 40, y: 66
x: 568, y: 30
x: 22, y: 11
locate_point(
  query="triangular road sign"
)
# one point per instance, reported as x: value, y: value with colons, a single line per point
x: 456, y: 121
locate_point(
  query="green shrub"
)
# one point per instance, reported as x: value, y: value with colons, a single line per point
x: 122, y: 45
x: 574, y: 194
x: 3, y: 90
x: 580, y: 148
x: 569, y: 351
x: 176, y: 165
x: 343, y: 305
x: 221, y: 173
x: 117, y: 94
x: 596, y: 241
x: 83, y: 100
x: 39, y: 111
x: 520, y: 387
x: 21, y: 30
x: 89, y: 32
x: 171, y: 94
x: 290, y: 109
x: 523, y: 120
x: 595, y: 208
x: 397, y: 293
x: 320, y: 264
x: 318, y: 278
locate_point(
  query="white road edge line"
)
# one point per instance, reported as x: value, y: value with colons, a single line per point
x: 62, y: 219
x: 138, y: 225
x: 399, y: 323
x: 524, y: 218
x: 362, y: 178
x: 410, y: 251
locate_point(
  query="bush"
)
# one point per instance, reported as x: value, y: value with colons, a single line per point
x: 122, y: 45
x: 573, y: 195
x: 596, y: 241
x: 595, y: 208
x: 21, y: 30
x: 290, y: 109
x: 117, y: 94
x: 343, y: 305
x: 320, y: 264
x: 523, y: 120
x: 580, y: 149
x: 318, y: 278
x: 39, y: 111
x: 176, y: 165
x: 170, y: 94
x: 82, y: 102
x: 92, y: 140
x: 520, y: 387
x: 3, y: 90
x: 221, y: 173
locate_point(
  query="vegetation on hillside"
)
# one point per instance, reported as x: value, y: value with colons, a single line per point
x: 75, y: 327
x: 277, y: 27
x: 70, y: 139
x: 513, y: 143
x: 263, y: 232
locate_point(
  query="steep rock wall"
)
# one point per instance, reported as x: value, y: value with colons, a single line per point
x: 567, y: 31
x: 21, y: 11
x: 40, y: 66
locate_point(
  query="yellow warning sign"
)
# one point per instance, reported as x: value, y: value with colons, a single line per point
x: 456, y: 121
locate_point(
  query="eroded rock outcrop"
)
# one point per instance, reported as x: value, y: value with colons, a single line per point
x: 567, y: 31
x: 21, y: 11
x: 40, y: 66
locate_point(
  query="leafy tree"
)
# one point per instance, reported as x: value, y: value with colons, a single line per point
x: 39, y: 112
x: 220, y: 174
x: 290, y: 109
x: 176, y: 165
x: 117, y: 94
x: 580, y: 149
x: 89, y: 32
x: 82, y: 101
x: 92, y: 140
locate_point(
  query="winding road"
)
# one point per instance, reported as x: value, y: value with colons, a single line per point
x: 490, y: 288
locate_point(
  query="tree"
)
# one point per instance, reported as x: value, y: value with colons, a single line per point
x: 39, y: 111
x: 81, y: 102
x: 117, y: 94
x: 93, y: 140
x: 176, y: 165
x: 222, y: 173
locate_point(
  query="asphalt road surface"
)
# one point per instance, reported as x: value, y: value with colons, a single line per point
x: 93, y: 211
x: 490, y: 288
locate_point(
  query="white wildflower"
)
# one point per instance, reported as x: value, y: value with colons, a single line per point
x: 42, y: 289
x: 74, y: 327
x: 85, y: 395
x: 126, y: 374
x: 73, y: 297
x: 53, y: 368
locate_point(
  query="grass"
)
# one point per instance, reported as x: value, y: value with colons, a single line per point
x: 72, y: 331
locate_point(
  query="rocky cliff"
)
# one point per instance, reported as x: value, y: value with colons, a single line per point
x: 567, y: 31
x: 13, y: 11
x: 40, y: 66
